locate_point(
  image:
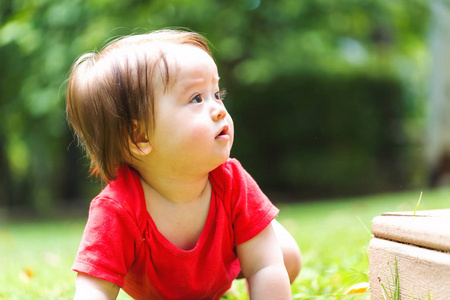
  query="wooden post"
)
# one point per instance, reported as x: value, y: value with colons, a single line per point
x: 414, y: 249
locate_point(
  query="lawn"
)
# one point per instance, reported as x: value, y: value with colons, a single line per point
x: 36, y: 256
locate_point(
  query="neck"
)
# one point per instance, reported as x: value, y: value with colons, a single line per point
x: 172, y: 188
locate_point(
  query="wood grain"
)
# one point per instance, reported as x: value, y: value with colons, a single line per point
x: 430, y: 229
x: 421, y: 271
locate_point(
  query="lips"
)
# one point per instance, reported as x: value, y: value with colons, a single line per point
x: 224, y: 131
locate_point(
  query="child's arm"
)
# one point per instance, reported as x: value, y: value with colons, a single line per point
x: 262, y: 264
x: 89, y: 287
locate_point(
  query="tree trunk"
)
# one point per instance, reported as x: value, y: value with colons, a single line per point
x: 438, y: 119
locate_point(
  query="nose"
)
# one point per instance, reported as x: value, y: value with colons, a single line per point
x: 219, y: 112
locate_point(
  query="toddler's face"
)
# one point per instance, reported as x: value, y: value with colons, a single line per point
x: 192, y: 127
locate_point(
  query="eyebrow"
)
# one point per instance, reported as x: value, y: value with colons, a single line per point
x: 194, y: 82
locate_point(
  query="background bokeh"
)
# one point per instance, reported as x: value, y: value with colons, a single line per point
x: 329, y: 98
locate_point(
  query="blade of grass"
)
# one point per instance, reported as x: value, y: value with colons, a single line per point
x: 396, y: 281
x: 364, y: 226
x: 385, y: 293
x: 418, y: 204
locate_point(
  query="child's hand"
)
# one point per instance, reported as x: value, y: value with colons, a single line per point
x: 262, y: 264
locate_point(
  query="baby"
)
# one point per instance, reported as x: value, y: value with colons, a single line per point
x: 179, y: 218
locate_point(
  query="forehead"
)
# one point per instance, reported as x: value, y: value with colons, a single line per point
x: 188, y: 61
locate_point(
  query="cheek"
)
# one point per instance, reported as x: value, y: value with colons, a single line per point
x: 231, y: 124
x: 194, y: 134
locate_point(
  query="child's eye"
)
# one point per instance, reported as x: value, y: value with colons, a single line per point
x: 220, y: 95
x: 197, y: 99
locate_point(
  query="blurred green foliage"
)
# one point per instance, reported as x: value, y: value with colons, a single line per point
x: 326, y: 95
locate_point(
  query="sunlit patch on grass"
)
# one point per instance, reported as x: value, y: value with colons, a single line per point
x: 52, y: 259
x: 26, y: 275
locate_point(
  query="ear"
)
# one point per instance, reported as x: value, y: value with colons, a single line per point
x: 139, y: 144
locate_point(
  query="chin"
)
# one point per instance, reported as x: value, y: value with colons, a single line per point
x: 221, y: 160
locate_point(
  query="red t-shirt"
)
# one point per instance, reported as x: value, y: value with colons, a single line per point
x: 121, y: 243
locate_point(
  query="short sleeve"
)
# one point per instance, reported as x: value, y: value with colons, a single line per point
x: 251, y: 210
x: 107, y: 247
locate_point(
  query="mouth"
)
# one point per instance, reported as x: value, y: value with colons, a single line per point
x: 224, y: 131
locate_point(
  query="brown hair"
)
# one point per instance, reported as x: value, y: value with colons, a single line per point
x: 109, y: 91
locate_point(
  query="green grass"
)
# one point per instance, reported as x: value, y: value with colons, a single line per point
x: 331, y: 235
x: 392, y: 293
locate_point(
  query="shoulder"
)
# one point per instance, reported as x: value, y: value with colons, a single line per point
x: 125, y: 187
x: 232, y: 175
x: 249, y: 208
x: 232, y: 164
x: 234, y: 183
x: 116, y: 212
x: 122, y: 197
x: 228, y: 170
